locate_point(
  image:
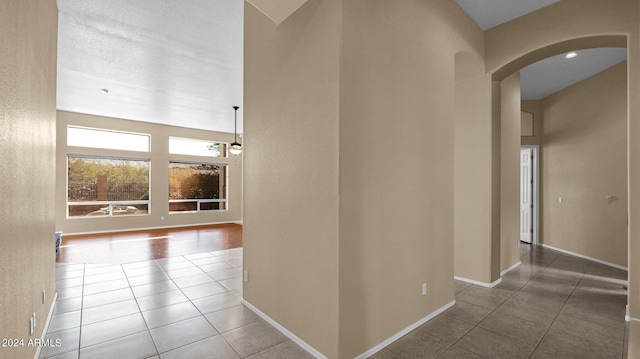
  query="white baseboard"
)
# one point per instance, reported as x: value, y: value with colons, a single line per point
x: 404, y: 331
x: 510, y: 268
x: 364, y: 355
x: 46, y: 325
x: 629, y: 318
x: 587, y: 257
x: 483, y: 284
x: 284, y: 331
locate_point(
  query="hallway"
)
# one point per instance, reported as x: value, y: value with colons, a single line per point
x: 188, y: 306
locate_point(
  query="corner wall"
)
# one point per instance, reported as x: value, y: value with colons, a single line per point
x: 473, y: 180
x: 585, y: 147
x: 27, y: 180
x: 290, y: 232
x: 160, y: 157
x: 397, y: 118
x: 344, y: 224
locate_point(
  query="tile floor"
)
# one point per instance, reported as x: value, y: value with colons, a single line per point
x: 552, y: 306
x: 179, y: 307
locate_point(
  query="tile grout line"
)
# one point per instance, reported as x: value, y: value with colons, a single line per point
x: 494, y: 310
x: 232, y: 262
x: 84, y: 273
x: 563, y: 305
x: 476, y: 324
x: 204, y: 316
x: 140, y: 309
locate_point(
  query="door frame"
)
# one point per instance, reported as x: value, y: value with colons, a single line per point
x: 536, y: 192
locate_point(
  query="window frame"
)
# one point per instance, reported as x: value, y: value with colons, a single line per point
x: 148, y: 136
x: 225, y: 150
x: 109, y: 204
x: 199, y: 201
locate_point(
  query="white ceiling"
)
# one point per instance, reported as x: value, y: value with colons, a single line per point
x: 181, y: 63
x: 163, y: 61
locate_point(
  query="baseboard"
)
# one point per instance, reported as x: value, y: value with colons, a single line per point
x: 510, y: 268
x: 630, y: 318
x: 284, y: 331
x: 148, y: 228
x: 46, y: 325
x: 483, y: 284
x: 364, y: 355
x: 404, y: 331
x: 587, y: 257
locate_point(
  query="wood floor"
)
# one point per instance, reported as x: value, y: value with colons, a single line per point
x: 134, y: 246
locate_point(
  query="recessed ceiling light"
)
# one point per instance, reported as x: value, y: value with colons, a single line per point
x: 570, y: 55
x: 105, y: 91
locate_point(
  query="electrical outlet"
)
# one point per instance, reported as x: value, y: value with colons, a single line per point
x: 246, y: 276
x: 424, y: 288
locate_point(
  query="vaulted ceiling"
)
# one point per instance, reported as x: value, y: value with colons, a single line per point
x: 168, y: 62
x: 181, y: 63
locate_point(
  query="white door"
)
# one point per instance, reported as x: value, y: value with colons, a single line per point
x: 526, y: 195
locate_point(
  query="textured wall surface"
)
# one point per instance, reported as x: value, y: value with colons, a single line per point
x: 510, y: 172
x: 27, y: 175
x: 585, y: 150
x: 349, y: 166
x: 472, y: 178
x: 291, y: 170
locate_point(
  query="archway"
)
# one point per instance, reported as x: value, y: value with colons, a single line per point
x: 585, y: 42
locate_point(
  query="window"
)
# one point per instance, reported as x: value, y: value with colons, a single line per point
x: 113, y: 140
x: 186, y: 146
x: 197, y: 187
x: 98, y: 186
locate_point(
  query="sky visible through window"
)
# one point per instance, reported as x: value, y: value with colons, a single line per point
x: 97, y: 138
x: 187, y: 146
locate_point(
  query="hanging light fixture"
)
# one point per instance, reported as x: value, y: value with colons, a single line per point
x: 235, y: 148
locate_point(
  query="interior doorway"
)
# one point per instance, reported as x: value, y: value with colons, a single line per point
x: 529, y: 189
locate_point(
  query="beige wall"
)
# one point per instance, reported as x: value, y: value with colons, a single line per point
x: 355, y: 233
x: 510, y: 172
x: 584, y: 142
x: 291, y: 214
x: 472, y: 179
x: 160, y: 158
x: 534, y: 107
x: 396, y: 163
x: 27, y: 144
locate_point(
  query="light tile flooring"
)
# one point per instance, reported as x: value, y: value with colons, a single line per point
x: 552, y: 306
x: 180, y: 307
